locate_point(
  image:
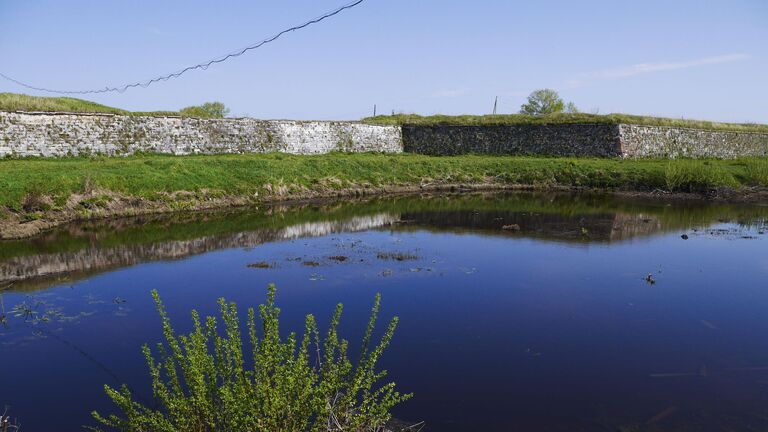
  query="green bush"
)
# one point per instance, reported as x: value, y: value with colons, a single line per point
x: 206, y: 110
x: 201, y: 381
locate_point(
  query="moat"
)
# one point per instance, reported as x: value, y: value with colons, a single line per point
x: 518, y: 311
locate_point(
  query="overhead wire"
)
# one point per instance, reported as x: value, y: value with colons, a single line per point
x: 200, y: 66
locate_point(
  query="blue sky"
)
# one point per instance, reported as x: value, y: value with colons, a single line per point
x: 693, y: 59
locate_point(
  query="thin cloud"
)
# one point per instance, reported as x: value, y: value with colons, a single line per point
x: 646, y: 68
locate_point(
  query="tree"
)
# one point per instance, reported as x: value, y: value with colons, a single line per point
x: 544, y: 101
x: 571, y: 108
x: 206, y: 110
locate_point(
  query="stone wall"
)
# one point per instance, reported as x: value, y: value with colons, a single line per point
x: 592, y: 140
x: 62, y: 134
x: 669, y: 142
x: 59, y: 134
x: 600, y: 140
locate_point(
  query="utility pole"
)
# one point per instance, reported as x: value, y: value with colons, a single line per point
x: 495, y: 103
x: 374, y: 110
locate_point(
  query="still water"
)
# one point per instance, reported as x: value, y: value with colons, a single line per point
x: 529, y: 312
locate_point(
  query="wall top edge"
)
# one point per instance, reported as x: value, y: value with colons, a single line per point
x: 357, y: 122
x: 111, y: 115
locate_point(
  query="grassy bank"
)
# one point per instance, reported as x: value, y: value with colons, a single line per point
x: 37, y: 194
x: 22, y: 102
x: 560, y: 118
x: 34, y: 184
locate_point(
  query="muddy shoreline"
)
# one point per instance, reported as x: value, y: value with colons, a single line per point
x: 24, y: 225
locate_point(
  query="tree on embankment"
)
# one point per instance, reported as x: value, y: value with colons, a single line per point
x: 546, y: 101
x: 206, y: 110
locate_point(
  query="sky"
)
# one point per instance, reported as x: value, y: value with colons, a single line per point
x: 676, y: 58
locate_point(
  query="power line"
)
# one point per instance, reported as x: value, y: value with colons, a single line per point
x: 202, y: 66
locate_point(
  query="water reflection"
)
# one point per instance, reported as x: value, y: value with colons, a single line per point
x: 41, y: 270
x: 518, y: 311
x: 79, y: 250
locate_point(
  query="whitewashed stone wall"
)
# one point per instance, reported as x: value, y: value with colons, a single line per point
x: 61, y: 134
x: 670, y: 142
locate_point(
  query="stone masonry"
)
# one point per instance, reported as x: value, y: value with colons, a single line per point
x: 66, y: 134
x: 668, y: 142
x: 54, y: 134
x: 601, y: 140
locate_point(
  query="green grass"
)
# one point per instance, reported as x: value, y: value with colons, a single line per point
x: 698, y: 176
x: 41, y: 184
x: 757, y: 172
x: 560, y: 118
x: 22, y: 102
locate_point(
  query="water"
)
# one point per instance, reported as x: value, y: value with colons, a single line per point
x: 550, y: 324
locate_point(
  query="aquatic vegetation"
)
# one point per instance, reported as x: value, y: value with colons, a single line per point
x: 3, y: 315
x: 34, y: 312
x: 397, y: 256
x: 6, y: 424
x: 208, y: 381
x: 25, y: 311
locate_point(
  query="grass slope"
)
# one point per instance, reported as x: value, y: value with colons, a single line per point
x: 560, y: 118
x: 23, y: 183
x: 22, y: 102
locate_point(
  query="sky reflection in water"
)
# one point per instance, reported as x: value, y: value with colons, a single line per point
x: 521, y: 311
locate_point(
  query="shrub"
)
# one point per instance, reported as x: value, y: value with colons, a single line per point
x: 202, y: 383
x: 206, y: 110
